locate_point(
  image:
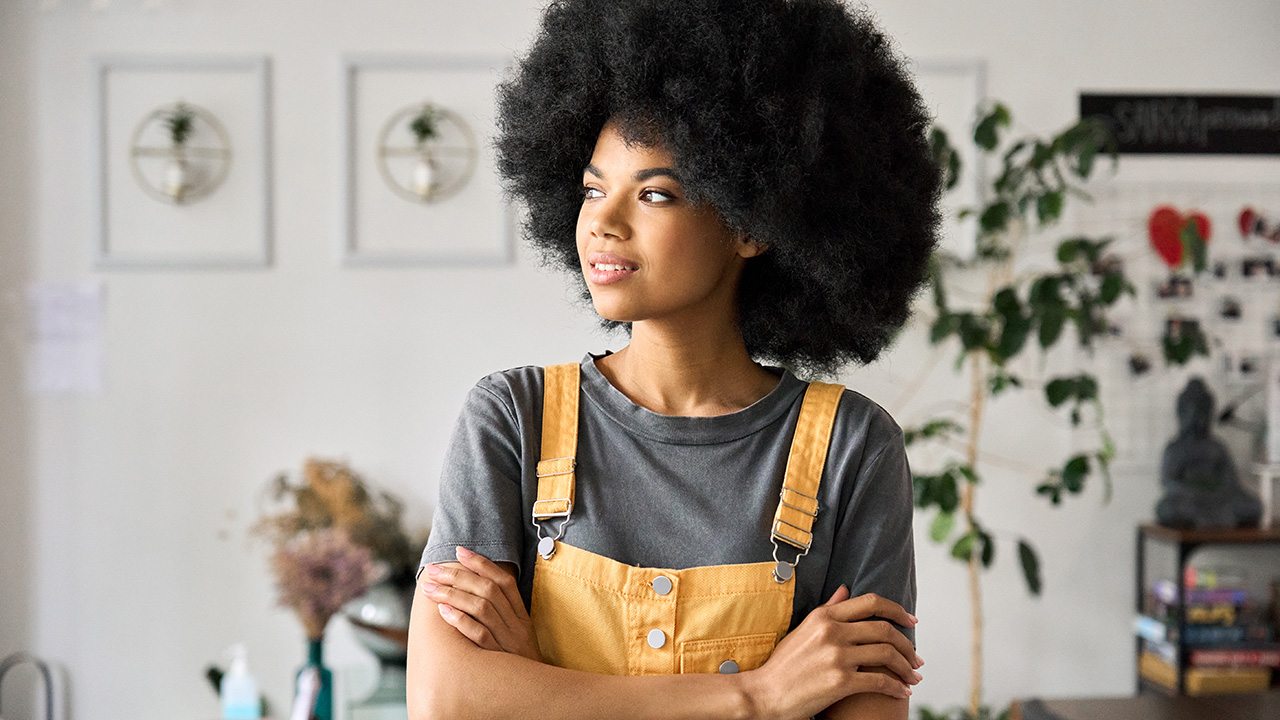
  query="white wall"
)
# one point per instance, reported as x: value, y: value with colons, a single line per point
x: 17, y: 488
x: 123, y: 516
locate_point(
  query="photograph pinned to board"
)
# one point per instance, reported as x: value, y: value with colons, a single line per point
x: 184, y: 153
x: 419, y: 172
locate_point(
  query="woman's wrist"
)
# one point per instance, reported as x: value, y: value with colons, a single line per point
x: 756, y: 700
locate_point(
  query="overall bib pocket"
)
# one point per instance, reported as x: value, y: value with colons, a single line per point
x: 726, y: 655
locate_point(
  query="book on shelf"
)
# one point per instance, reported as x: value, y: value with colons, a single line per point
x: 1166, y: 651
x: 1159, y: 631
x: 1235, y: 657
x: 1204, y: 680
x: 1166, y: 591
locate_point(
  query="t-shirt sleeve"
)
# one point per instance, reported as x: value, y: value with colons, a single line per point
x: 479, y: 507
x: 875, y: 545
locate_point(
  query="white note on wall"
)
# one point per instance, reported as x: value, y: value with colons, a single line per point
x: 66, y: 337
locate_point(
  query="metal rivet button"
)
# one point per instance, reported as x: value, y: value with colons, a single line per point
x: 657, y: 638
x: 546, y: 548
x: 782, y: 572
x: 662, y: 584
x: 728, y: 667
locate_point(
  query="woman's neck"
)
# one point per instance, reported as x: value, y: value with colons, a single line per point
x: 692, y: 373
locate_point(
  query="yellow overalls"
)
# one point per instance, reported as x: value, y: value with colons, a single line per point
x: 596, y: 614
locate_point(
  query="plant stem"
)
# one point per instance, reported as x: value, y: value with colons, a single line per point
x: 978, y: 395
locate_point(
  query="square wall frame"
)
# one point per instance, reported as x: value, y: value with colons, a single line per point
x: 230, y: 226
x: 389, y: 218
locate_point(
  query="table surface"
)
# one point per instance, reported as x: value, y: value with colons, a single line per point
x: 1248, y: 706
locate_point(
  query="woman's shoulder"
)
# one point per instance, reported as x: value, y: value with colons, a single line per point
x: 859, y: 413
x: 514, y: 389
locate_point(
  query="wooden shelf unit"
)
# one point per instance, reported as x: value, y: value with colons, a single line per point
x: 1185, y: 542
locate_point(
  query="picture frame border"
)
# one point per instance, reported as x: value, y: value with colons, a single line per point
x: 350, y: 252
x: 257, y: 65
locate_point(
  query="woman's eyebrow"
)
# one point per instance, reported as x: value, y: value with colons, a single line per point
x: 640, y: 175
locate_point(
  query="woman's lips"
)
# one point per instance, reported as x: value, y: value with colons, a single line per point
x: 606, y: 268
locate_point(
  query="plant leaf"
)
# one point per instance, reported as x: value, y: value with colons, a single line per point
x: 1030, y: 566
x: 1049, y: 206
x: 963, y: 547
x: 1051, y: 323
x: 1074, y: 473
x: 941, y: 526
x: 995, y: 217
x: 1059, y: 390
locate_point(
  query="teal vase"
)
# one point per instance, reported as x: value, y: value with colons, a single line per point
x: 315, y: 659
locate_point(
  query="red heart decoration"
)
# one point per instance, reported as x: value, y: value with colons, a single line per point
x: 1165, y: 228
x: 1248, y: 222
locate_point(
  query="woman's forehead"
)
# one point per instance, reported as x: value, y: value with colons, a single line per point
x: 614, y: 152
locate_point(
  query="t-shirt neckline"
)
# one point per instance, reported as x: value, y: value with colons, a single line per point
x: 684, y: 430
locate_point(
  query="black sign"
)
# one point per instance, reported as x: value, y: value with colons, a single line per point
x: 1189, y: 124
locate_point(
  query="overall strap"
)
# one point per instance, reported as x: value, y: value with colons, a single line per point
x: 559, y: 442
x: 798, y: 506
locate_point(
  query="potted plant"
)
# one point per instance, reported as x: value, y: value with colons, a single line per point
x: 180, y: 123
x: 424, y: 128
x: 1013, y: 304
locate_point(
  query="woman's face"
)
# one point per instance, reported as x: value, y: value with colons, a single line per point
x: 645, y: 251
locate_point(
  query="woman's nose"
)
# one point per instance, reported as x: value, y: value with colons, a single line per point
x: 610, y: 219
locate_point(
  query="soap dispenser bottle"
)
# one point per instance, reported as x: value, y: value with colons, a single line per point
x: 239, y: 691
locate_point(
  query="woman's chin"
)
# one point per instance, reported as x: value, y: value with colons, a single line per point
x: 613, y: 313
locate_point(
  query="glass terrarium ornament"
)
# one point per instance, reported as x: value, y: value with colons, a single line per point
x: 179, y: 153
x: 426, y: 153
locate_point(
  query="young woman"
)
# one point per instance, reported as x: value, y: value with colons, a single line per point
x: 675, y: 529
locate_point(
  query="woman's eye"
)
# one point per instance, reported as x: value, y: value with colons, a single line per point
x: 656, y: 196
x: 590, y: 192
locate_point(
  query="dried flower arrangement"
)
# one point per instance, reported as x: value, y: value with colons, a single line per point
x: 319, y: 571
x: 335, y: 538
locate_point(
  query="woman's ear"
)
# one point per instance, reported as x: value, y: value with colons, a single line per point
x: 748, y: 248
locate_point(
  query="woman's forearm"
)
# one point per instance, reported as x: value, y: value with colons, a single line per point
x: 450, y: 678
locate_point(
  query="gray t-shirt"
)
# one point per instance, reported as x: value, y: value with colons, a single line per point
x: 677, y: 492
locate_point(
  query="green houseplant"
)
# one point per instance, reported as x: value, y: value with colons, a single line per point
x: 1019, y: 305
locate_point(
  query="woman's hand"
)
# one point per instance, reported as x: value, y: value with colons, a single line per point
x: 481, y: 600
x: 833, y: 653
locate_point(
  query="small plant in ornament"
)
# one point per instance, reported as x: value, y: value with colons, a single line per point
x: 424, y: 128
x: 180, y: 122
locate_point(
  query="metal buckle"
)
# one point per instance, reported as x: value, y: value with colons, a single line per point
x: 779, y: 575
x: 545, y: 515
x: 573, y: 464
x: 783, y: 497
x: 790, y: 541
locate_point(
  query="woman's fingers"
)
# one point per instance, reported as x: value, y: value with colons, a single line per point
x: 472, y: 583
x: 884, y: 655
x: 479, y: 608
x: 505, y: 582
x: 872, y: 605
x: 877, y: 682
x: 469, y: 627
x: 869, y: 632
x: 841, y: 594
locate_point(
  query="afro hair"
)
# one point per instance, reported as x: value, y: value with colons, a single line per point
x: 794, y: 119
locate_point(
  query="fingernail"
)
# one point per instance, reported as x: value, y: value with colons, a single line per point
x: 433, y: 570
x: 919, y: 677
x: 914, y: 619
x: 463, y: 552
x: 907, y: 690
x: 446, y: 611
x: 429, y: 588
x: 919, y: 661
